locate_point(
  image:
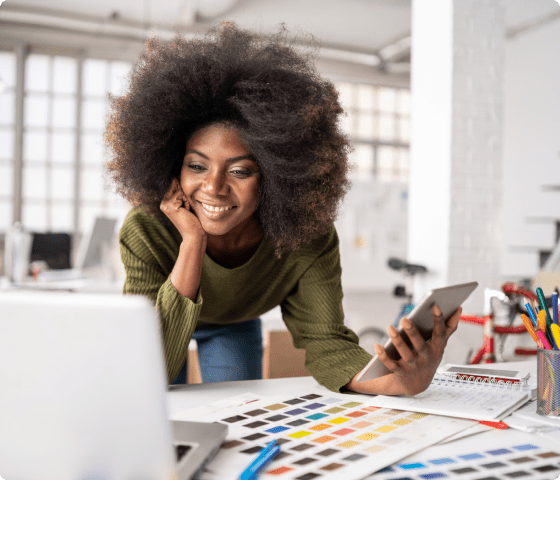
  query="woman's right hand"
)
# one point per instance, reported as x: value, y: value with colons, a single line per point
x: 175, y: 206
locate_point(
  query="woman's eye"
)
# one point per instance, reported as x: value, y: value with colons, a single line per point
x: 196, y: 167
x: 241, y: 172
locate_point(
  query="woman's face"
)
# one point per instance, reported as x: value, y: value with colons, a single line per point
x: 220, y: 179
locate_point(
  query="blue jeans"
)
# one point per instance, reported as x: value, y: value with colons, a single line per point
x: 228, y: 353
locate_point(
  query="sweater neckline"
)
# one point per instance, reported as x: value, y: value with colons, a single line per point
x: 249, y: 264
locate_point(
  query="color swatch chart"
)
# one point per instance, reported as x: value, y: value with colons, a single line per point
x: 495, y: 455
x: 323, y: 435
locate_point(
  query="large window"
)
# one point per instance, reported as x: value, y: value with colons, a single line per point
x: 63, y: 187
x: 7, y: 133
x: 378, y: 123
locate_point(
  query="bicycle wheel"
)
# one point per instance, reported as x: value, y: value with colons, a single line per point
x: 371, y: 336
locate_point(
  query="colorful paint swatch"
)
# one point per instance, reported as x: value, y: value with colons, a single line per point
x: 230, y: 444
x: 332, y: 466
x: 279, y: 470
x: 302, y: 447
x: 319, y: 427
x: 277, y: 429
x: 471, y: 456
x: 257, y: 424
x: 354, y: 457
x: 317, y: 416
x: 339, y: 420
x: 417, y: 415
x: 385, y: 429
x: 343, y: 432
x: 299, y: 422
x: 255, y: 412
x: 375, y: 448
x: 308, y: 476
x: 521, y: 460
x: 276, y: 417
x: 526, y: 447
x: 499, y: 452
x: 308, y: 425
x: 275, y: 406
x: 367, y: 436
x: 442, y: 461
x: 328, y: 452
x: 356, y: 414
x: 334, y: 410
x: 349, y: 443
x: 304, y: 461
x: 232, y: 419
x: 295, y: 411
x: 401, y: 422
x: 548, y: 455
x: 302, y: 433
x: 252, y: 437
x: 379, y: 418
x: 362, y: 425
x: 408, y: 466
x: 324, y: 439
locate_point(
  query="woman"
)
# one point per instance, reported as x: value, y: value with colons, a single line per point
x: 228, y: 148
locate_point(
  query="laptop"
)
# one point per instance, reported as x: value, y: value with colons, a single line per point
x: 91, y: 254
x: 83, y: 392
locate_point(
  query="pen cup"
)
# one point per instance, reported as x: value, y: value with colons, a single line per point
x: 548, y: 382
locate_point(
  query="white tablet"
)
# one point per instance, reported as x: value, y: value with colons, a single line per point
x: 448, y: 298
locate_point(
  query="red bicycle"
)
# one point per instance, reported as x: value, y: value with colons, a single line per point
x: 512, y: 296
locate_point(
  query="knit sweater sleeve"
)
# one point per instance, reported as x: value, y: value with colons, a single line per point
x: 148, y: 252
x: 314, y: 316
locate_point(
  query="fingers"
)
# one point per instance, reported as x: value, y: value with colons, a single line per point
x: 391, y: 364
x: 174, y: 187
x: 439, y: 330
x: 453, y: 321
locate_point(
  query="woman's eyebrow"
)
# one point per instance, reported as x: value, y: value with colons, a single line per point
x: 230, y: 160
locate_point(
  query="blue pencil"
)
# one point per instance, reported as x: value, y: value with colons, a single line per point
x: 531, y: 313
x: 555, y: 307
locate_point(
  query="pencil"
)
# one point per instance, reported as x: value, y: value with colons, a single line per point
x: 530, y: 329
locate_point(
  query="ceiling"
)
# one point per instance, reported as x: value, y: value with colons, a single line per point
x: 378, y: 31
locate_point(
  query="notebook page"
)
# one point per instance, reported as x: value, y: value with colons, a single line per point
x: 461, y: 400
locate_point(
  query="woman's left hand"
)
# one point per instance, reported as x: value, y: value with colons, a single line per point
x: 417, y: 366
x: 414, y: 371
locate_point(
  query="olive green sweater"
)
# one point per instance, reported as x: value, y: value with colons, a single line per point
x: 305, y: 283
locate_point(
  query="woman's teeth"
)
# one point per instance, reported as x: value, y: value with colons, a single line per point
x: 216, y: 208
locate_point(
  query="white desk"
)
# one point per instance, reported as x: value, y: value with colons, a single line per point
x: 183, y: 398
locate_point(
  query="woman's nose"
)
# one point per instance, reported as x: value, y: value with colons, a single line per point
x: 215, y: 182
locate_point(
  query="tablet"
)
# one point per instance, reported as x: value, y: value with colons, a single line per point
x: 449, y: 300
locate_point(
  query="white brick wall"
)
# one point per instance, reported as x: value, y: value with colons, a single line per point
x: 456, y: 143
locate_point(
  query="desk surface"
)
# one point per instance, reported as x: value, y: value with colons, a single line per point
x: 498, y: 454
x: 181, y: 398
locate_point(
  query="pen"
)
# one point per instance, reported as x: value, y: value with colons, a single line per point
x: 265, y: 456
x: 543, y: 305
x: 555, y: 333
x: 531, y: 312
x: 544, y: 340
x: 531, y: 330
x: 555, y: 308
x: 497, y: 425
x: 544, y: 327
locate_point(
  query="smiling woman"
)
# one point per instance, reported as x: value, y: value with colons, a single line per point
x: 230, y: 150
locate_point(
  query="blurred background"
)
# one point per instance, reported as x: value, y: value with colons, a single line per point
x: 409, y: 115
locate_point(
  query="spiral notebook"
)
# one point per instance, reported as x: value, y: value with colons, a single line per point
x: 462, y: 398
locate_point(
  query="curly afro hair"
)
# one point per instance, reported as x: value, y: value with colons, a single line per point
x: 286, y: 113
